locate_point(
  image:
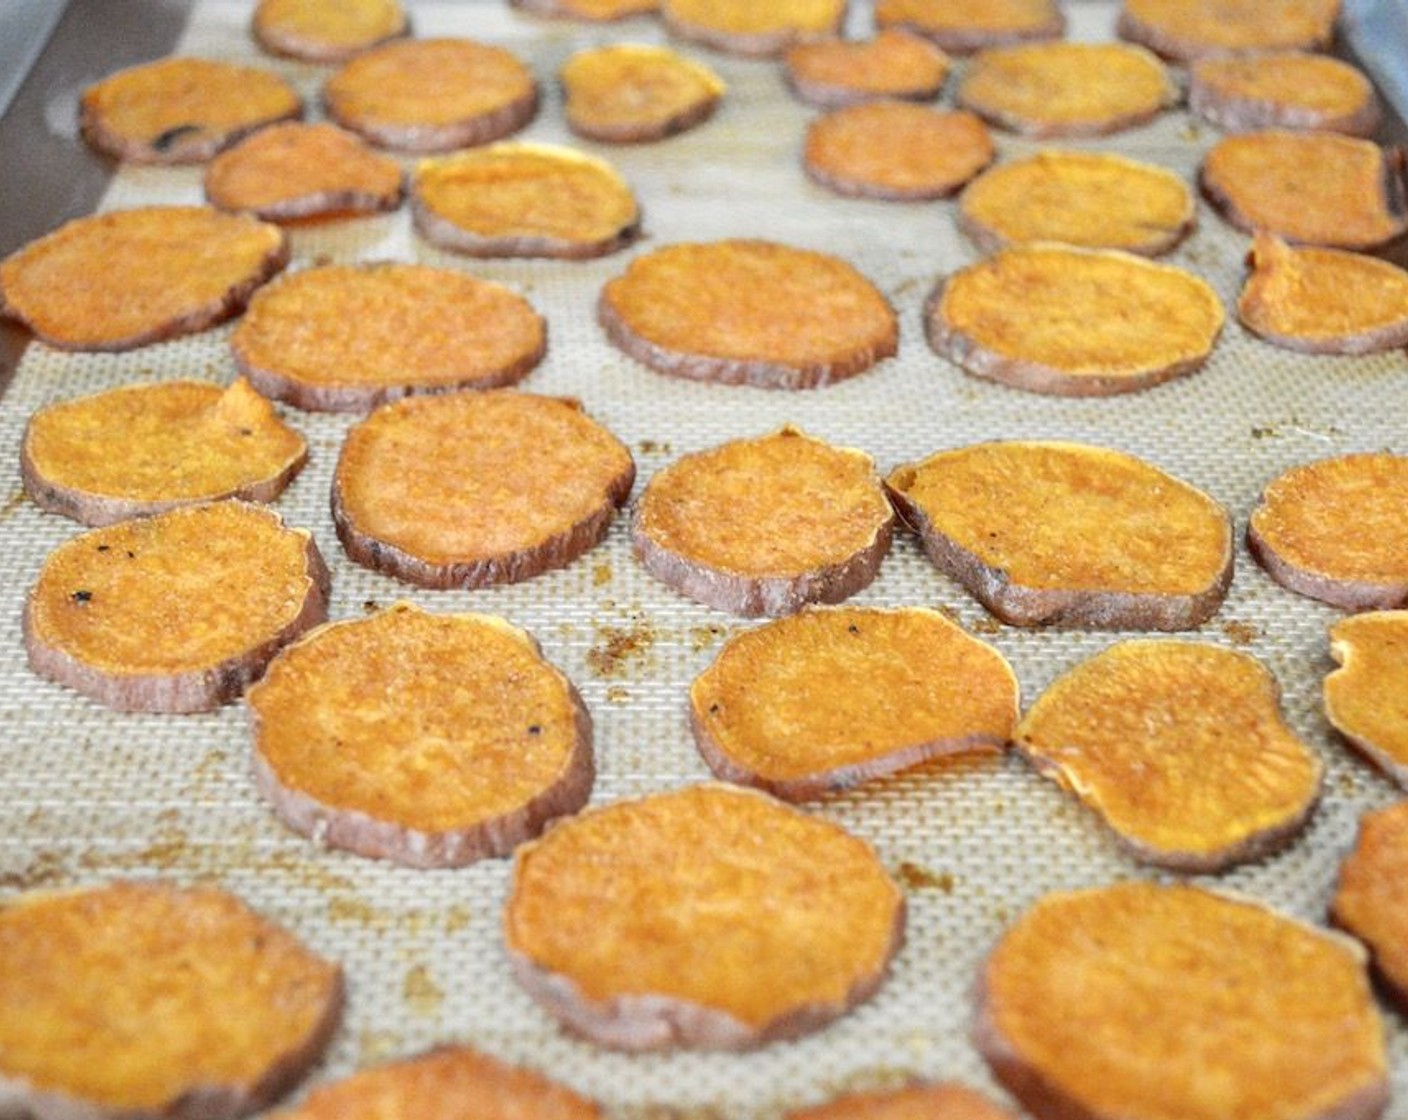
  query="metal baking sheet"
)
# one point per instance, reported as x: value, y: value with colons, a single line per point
x: 87, y: 795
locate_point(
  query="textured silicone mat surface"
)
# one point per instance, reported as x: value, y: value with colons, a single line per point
x: 87, y: 795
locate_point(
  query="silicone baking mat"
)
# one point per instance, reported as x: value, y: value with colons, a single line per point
x: 87, y: 795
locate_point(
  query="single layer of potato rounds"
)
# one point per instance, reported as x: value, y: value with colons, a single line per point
x: 765, y: 526
x: 963, y: 26
x: 432, y: 95
x: 594, y: 11
x: 629, y: 93
x: 833, y: 73
x: 182, y: 110
x: 345, y: 338
x: 1324, y: 301
x: 145, y: 1000
x: 123, y: 279
x: 1189, y: 29
x: 748, y: 312
x: 523, y: 200
x: 291, y: 171
x: 1334, y: 530
x: 146, y: 448
x: 750, y: 28
x: 919, y: 1101
x: 1066, y: 89
x: 470, y: 489
x: 1179, y: 747
x: 828, y: 699
x: 1146, y: 1002
x: 1312, y: 188
x: 327, y: 30
x: 1073, y: 322
x: 1366, y: 698
x: 1095, y: 200
x: 447, y: 1083
x: 896, y: 150
x: 429, y: 740
x: 1069, y: 535
x: 709, y: 917
x: 1283, y: 89
x: 1371, y: 897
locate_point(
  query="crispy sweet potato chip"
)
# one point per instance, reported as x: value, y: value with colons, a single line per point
x: 1366, y: 698
x: 327, y: 30
x: 630, y: 93
x: 963, y: 26
x: 752, y: 29
x: 707, y: 917
x: 138, y: 999
x: 1188, y: 29
x: 1371, y: 901
x: 922, y: 1101
x: 1283, y: 89
x: 594, y: 11
x: 895, y: 63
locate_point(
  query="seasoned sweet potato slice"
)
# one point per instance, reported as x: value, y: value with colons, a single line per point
x: 327, y: 30
x: 896, y: 150
x: 1365, y: 696
x: 707, y: 917
x: 1151, y: 1002
x: 1188, y: 29
x: 937, y: 1100
x: 430, y: 740
x: 1180, y: 748
x: 1066, y: 89
x: 964, y: 26
x: 1324, y: 301
x: 142, y: 449
x: 1333, y: 529
x: 1070, y: 535
x: 523, y: 200
x: 593, y: 11
x: 764, y: 526
x: 432, y: 95
x: 1073, y: 322
x: 748, y: 28
x: 828, y: 699
x: 832, y: 73
x: 1283, y: 89
x: 1094, y: 200
x: 1312, y: 188
x: 349, y: 337
x: 628, y: 93
x: 1371, y: 901
x: 123, y: 279
x: 747, y: 312
x: 471, y: 489
x: 145, y: 1000
x: 176, y: 612
x: 182, y: 110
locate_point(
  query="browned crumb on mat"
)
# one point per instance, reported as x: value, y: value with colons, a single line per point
x: 632, y: 93
x: 964, y: 26
x: 749, y: 28
x: 1189, y: 29
x: 1365, y: 698
x: 895, y: 63
x: 1283, y: 89
x: 327, y: 30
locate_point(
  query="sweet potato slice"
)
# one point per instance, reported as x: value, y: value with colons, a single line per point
x: 1370, y: 898
x: 1073, y: 322
x: 709, y: 917
x: 1151, y: 1002
x: 1324, y: 301
x: 592, y: 11
x: 446, y: 1083
x: 964, y: 26
x: 346, y: 338
x: 123, y: 279
x: 764, y: 526
x: 176, y: 612
x: 1333, y: 529
x: 1180, y: 748
x: 1189, y: 29
x: 896, y: 150
x: 327, y: 30
x: 748, y: 312
x: 1283, y: 89
x: 140, y: 1000
x: 1066, y: 89
x: 1066, y: 534
x: 143, y: 449
x: 471, y: 489
x: 1365, y: 696
x: 1094, y: 200
x: 833, y: 73
x: 524, y: 200
x: 630, y: 93
x: 429, y: 740
x: 432, y: 95
x: 748, y: 28
x: 182, y: 110
x: 1311, y: 188
x: 828, y: 699
x: 291, y: 171
x: 936, y: 1100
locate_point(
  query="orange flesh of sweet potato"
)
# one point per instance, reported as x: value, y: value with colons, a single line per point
x: 631, y: 92
x: 1370, y: 901
x: 1366, y: 698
